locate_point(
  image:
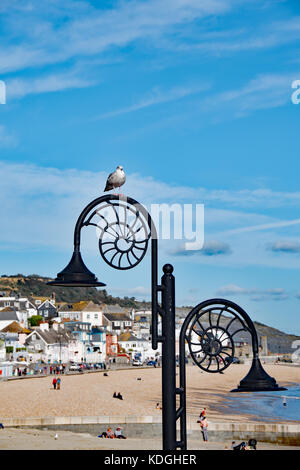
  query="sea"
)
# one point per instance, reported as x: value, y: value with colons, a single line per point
x: 268, y: 406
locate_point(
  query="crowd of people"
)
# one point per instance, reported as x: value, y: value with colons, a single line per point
x: 59, y: 369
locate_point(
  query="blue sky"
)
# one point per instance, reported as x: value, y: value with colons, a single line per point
x: 193, y: 98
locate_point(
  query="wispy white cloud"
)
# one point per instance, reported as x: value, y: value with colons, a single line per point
x: 140, y: 292
x: 272, y: 225
x: 77, y: 29
x: 255, y: 294
x: 265, y: 34
x: 48, y: 207
x: 19, y: 88
x: 286, y: 246
x: 157, y: 96
x: 210, y: 248
x: 262, y: 92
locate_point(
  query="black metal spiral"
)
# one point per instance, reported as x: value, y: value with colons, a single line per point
x: 123, y: 233
x: 210, y: 336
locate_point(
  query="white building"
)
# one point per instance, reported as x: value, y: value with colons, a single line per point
x: 23, y: 307
x: 91, y: 342
x: 84, y: 311
x: 52, y: 344
x: 137, y: 346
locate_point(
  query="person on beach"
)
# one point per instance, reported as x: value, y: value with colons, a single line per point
x: 241, y: 446
x: 204, y: 426
x: 108, y: 434
x: 284, y: 401
x: 158, y: 407
x: 54, y: 382
x: 119, y: 433
x: 58, y: 383
x: 202, y: 415
x: 119, y: 396
x: 252, y: 443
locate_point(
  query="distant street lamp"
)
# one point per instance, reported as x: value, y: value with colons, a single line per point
x: 125, y: 228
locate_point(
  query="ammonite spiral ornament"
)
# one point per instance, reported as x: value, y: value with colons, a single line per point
x: 211, y: 336
x: 123, y: 233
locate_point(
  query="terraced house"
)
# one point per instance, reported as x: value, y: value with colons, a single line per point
x: 116, y: 319
x: 52, y: 344
x: 85, y: 311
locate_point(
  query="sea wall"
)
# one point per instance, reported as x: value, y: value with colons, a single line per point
x: 150, y: 426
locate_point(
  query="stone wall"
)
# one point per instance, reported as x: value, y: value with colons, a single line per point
x: 150, y: 426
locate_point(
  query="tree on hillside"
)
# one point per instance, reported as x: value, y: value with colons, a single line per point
x: 35, y: 320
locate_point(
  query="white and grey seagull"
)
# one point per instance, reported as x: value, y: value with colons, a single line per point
x: 115, y: 179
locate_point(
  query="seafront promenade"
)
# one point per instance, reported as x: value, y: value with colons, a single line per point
x: 35, y: 439
x: 149, y: 428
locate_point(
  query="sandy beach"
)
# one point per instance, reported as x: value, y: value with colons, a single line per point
x: 91, y: 394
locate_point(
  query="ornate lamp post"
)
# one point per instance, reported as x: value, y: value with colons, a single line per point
x: 125, y: 229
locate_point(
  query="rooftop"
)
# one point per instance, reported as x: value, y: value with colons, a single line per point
x: 83, y: 305
x: 128, y: 336
x: 116, y: 317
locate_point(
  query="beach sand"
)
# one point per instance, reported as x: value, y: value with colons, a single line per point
x: 91, y: 394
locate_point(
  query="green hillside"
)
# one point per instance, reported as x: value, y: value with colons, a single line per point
x: 35, y: 285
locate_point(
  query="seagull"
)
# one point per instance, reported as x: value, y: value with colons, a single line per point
x: 115, y: 179
x: 56, y: 436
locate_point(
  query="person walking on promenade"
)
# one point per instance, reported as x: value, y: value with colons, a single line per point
x: 58, y: 383
x: 54, y: 382
x: 204, y: 426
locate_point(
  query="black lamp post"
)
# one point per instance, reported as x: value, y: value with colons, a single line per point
x: 125, y: 228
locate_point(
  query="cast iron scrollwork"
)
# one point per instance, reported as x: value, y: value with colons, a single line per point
x: 123, y: 233
x: 210, y: 336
